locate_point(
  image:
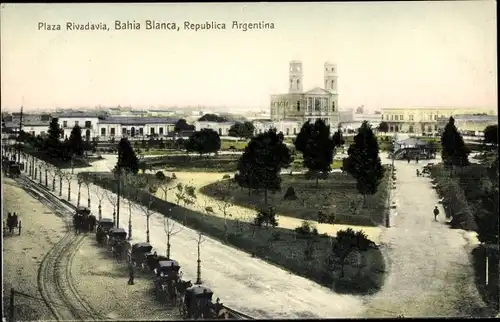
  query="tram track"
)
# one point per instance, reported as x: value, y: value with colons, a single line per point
x: 54, y: 278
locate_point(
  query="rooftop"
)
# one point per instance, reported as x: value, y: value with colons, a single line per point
x: 132, y: 120
x: 76, y: 114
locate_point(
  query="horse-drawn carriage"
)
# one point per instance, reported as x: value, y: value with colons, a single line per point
x: 103, y: 226
x: 12, y: 223
x: 198, y: 304
x: 83, y: 220
x: 139, y: 254
x: 12, y: 168
x: 117, y: 237
x: 166, y: 277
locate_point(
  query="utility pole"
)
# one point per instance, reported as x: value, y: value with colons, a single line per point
x: 19, y: 135
x: 118, y: 168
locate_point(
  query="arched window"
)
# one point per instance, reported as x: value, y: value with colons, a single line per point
x: 220, y: 131
x: 298, y: 106
x: 87, y: 135
x: 132, y: 131
x: 298, y: 82
x: 333, y: 83
x: 333, y: 106
x: 410, y: 129
x: 287, y: 131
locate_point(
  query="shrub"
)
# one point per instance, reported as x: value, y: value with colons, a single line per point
x: 160, y: 175
x: 290, y: 194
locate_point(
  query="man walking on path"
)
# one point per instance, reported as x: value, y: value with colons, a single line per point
x: 436, y: 213
x: 131, y: 273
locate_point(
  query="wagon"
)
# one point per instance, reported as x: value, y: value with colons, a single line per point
x: 197, y: 302
x: 138, y: 253
x: 103, y: 226
x: 152, y: 259
x: 116, y: 241
x: 12, y: 223
x: 166, y: 278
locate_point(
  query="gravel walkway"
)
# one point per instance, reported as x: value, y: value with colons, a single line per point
x: 430, y: 273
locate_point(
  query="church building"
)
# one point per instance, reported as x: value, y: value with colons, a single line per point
x: 311, y: 105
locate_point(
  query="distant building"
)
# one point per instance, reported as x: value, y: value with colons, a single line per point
x: 134, y: 127
x: 351, y: 119
x: 287, y: 127
x: 87, y: 121
x: 314, y: 104
x: 220, y: 127
x: 422, y: 120
x: 468, y: 124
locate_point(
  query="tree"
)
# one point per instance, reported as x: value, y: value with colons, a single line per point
x: 80, y: 182
x: 185, y: 194
x: 112, y: 200
x: 146, y: 207
x: 260, y: 164
x: 454, y: 152
x: 100, y: 193
x: 75, y: 142
x: 224, y: 201
x: 45, y: 167
x: 363, y: 162
x: 212, y: 118
x: 164, y: 184
x: 127, y: 160
x: 170, y: 230
x: 383, y: 127
x: 316, y: 146
x: 199, y: 240
x: 181, y: 125
x: 53, y: 172
x: 60, y: 173
x: 242, y: 130
x: 204, y: 141
x: 346, y: 242
x: 338, y: 138
x: 68, y: 177
x: 53, y: 143
x: 491, y: 134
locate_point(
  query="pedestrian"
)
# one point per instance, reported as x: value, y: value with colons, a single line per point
x: 418, y: 173
x: 130, y: 273
x: 416, y: 159
x: 436, y: 213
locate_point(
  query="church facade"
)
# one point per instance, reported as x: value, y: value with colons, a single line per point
x: 317, y: 103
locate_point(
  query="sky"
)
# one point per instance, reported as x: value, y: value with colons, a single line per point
x: 388, y: 54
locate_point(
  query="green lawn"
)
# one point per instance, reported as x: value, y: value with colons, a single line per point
x: 337, y: 195
x: 278, y: 246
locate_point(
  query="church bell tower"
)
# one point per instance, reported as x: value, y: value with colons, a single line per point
x: 295, y: 77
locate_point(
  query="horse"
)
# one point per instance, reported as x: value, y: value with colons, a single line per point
x: 180, y: 290
x: 92, y: 222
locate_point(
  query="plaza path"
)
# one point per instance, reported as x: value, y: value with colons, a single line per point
x: 430, y: 273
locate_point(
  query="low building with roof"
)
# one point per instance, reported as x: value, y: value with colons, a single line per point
x: 220, y: 127
x: 87, y: 121
x: 469, y: 124
x: 134, y: 127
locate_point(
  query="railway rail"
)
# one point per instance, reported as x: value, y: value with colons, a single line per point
x: 54, y: 274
